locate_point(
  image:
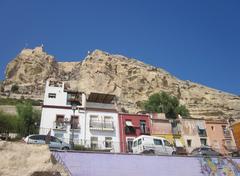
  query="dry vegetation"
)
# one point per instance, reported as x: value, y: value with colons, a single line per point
x: 26, y: 159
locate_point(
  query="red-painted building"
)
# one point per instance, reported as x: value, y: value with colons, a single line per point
x: 132, y: 126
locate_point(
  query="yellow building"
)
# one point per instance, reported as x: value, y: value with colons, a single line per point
x: 236, y: 133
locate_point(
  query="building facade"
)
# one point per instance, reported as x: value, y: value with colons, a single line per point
x: 220, y: 136
x: 236, y: 133
x: 167, y: 128
x: 87, y: 120
x: 132, y: 126
x: 193, y: 132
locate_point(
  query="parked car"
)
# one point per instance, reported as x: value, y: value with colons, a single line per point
x: 53, y: 142
x: 205, y: 151
x: 152, y: 145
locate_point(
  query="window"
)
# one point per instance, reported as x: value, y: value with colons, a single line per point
x: 166, y: 143
x: 74, y: 122
x: 94, y: 142
x: 139, y: 141
x: 157, y: 141
x: 51, y: 95
x: 94, y: 122
x: 129, y: 129
x: 108, y: 122
x: 203, y: 141
x: 74, y: 98
x: 108, y: 142
x: 129, y: 144
x: 38, y: 137
x: 59, y: 135
x: 59, y: 123
x: 189, y: 142
x: 135, y: 143
x: 59, y: 118
x: 226, y: 132
x: 143, y: 126
x: 202, y: 132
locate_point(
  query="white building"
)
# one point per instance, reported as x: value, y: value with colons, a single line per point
x: 94, y: 123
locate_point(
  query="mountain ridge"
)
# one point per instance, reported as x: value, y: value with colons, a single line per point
x: 131, y: 80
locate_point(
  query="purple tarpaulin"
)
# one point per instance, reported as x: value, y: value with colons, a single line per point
x: 97, y: 164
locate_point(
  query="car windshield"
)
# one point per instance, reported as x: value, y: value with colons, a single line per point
x: 54, y: 139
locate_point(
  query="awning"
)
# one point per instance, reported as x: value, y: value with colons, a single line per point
x: 200, y: 126
x: 129, y: 123
x: 178, y: 143
x: 100, y: 98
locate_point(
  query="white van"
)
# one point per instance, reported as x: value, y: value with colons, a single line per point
x: 152, y: 145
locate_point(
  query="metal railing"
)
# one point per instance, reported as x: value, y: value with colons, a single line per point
x: 101, y: 125
x: 59, y: 125
x: 145, y: 130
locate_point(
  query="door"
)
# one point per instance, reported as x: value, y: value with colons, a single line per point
x: 55, y: 143
x: 158, y: 145
x: 168, y: 148
x: 129, y: 145
x: 134, y: 147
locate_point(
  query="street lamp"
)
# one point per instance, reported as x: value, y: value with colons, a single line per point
x: 74, y: 107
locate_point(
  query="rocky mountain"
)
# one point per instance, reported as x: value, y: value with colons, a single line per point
x: 130, y: 80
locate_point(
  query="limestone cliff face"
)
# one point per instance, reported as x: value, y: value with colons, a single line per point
x: 130, y: 80
x: 30, y: 70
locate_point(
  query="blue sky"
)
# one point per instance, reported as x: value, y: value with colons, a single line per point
x: 193, y: 40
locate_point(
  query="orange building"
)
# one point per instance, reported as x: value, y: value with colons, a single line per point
x: 220, y: 136
x: 236, y: 133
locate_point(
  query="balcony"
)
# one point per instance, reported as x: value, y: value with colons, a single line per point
x: 227, y: 134
x: 75, y: 126
x: 59, y: 126
x: 202, y: 133
x: 145, y: 131
x: 101, y: 125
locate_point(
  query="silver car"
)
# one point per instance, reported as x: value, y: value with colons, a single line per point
x: 52, y: 141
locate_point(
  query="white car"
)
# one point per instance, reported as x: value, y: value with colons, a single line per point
x: 152, y: 145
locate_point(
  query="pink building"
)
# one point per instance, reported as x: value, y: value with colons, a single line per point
x: 220, y: 136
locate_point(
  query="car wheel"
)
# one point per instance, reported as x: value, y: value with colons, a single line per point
x: 151, y: 152
x: 174, y: 153
x: 65, y: 148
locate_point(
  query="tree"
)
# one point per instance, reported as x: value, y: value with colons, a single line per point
x: 164, y: 103
x: 28, y: 119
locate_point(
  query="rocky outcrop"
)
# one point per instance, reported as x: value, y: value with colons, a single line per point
x: 130, y: 80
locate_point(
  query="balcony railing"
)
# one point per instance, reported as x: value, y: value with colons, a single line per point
x: 227, y: 134
x: 145, y: 130
x: 59, y: 126
x: 75, y: 126
x: 101, y: 125
x: 176, y: 130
